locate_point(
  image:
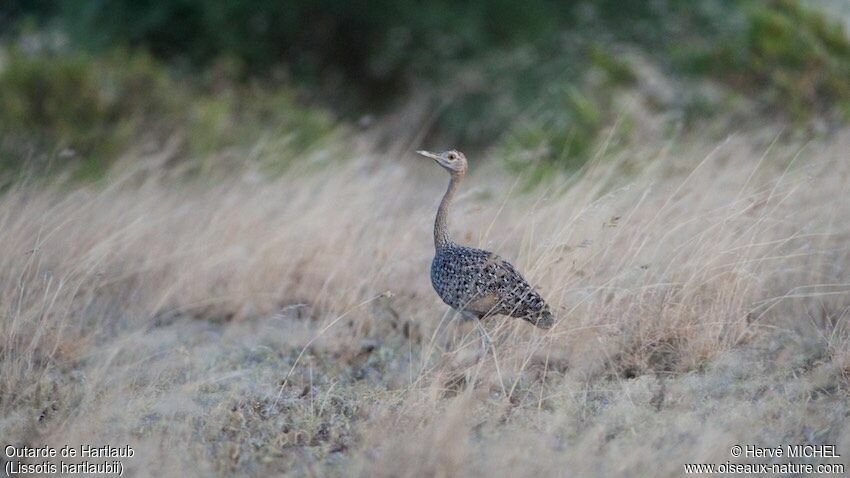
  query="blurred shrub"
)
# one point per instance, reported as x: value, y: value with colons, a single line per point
x: 566, y: 126
x: 376, y: 45
x: 536, y: 78
x: 249, y: 117
x: 83, y: 107
x: 790, y: 60
x: 13, y: 12
x: 369, y: 44
x: 80, y: 112
x: 795, y: 60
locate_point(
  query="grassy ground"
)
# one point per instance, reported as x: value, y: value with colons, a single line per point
x: 288, y: 325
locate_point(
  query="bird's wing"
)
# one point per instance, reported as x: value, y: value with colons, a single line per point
x: 486, y: 304
x: 518, y: 297
x: 495, y: 284
x: 497, y: 288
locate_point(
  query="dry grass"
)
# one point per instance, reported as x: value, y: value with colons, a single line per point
x: 256, y: 326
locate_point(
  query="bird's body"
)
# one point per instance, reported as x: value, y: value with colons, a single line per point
x: 483, y: 284
x: 473, y: 281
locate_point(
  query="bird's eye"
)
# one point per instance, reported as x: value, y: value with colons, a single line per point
x: 452, y: 156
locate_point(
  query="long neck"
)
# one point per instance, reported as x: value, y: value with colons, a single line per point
x: 441, y: 224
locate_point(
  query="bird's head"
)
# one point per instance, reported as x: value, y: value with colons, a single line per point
x: 453, y: 161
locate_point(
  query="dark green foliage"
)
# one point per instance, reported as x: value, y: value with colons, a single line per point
x: 377, y: 45
x: 792, y: 58
x: 83, y: 107
x: 535, y: 78
x: 14, y: 12
x: 792, y: 61
x: 78, y: 112
x: 370, y: 43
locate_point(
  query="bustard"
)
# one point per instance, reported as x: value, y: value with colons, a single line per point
x: 475, y: 282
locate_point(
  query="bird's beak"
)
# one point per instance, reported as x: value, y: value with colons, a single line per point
x: 428, y: 154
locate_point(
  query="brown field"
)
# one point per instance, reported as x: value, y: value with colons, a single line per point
x: 256, y: 326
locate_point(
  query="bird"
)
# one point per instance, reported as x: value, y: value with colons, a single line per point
x: 477, y: 283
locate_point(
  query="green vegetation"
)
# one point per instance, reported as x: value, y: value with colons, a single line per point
x: 539, y: 81
x: 794, y: 59
x: 87, y: 108
x: 790, y: 62
x: 81, y: 112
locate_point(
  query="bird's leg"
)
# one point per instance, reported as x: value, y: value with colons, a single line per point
x: 486, y: 342
x: 467, y: 316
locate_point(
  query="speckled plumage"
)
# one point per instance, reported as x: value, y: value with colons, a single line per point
x: 482, y: 283
x: 474, y: 281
